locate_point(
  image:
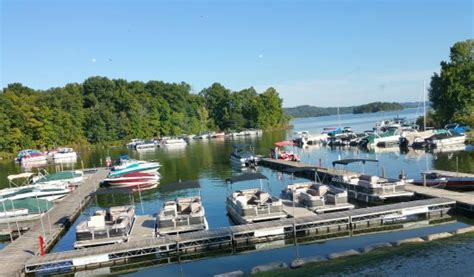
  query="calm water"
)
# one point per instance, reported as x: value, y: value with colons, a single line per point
x: 208, y: 162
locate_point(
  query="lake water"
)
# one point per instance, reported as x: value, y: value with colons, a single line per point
x: 208, y: 161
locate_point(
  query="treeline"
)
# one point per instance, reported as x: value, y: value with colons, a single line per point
x: 102, y: 110
x: 377, y: 107
x: 311, y: 111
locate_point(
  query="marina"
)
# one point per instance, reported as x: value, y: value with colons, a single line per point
x: 326, y: 212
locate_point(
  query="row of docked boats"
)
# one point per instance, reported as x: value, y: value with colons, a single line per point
x: 397, y: 131
x: 30, y: 194
x: 36, y: 158
x: 139, y: 144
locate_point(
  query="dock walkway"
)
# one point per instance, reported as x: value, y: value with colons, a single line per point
x: 464, y: 201
x: 16, y: 253
x: 330, y: 223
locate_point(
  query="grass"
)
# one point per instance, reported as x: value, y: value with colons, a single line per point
x: 350, y: 264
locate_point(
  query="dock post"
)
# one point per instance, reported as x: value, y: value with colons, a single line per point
x: 82, y: 164
x: 424, y: 180
x: 383, y: 172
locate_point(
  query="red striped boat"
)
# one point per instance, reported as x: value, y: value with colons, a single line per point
x: 133, y: 179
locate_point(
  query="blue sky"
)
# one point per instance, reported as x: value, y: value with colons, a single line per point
x: 323, y: 53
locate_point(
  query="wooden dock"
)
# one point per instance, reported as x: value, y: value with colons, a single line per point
x: 233, y: 236
x: 464, y: 201
x: 144, y: 227
x: 51, y: 226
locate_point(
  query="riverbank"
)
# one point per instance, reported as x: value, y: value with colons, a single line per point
x: 419, y: 259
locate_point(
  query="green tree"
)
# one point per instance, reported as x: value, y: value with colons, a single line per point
x: 452, y: 91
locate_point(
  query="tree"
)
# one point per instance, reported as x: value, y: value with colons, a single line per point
x: 452, y: 91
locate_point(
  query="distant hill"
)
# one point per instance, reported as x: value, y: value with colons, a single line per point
x: 312, y: 111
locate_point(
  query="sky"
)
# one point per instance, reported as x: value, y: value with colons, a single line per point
x: 320, y: 53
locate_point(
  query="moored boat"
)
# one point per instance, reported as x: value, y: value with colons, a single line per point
x: 453, y: 180
x: 182, y: 215
x: 106, y: 227
x: 173, y: 142
x: 252, y: 205
x: 129, y: 166
x: 243, y: 155
x: 64, y: 153
x: 133, y: 179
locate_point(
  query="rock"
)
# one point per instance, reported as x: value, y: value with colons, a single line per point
x: 437, y: 236
x: 342, y: 254
x: 464, y: 230
x: 231, y: 274
x: 308, y: 260
x: 268, y: 267
x: 406, y: 241
x: 371, y: 247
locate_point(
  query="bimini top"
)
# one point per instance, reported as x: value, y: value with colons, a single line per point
x: 283, y: 143
x: 246, y: 177
x: 25, y: 175
x: 348, y: 161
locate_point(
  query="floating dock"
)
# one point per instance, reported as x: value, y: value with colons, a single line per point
x: 464, y: 201
x: 332, y: 224
x: 51, y: 225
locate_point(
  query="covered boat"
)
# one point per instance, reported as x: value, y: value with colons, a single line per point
x: 244, y: 156
x: 43, y: 191
x: 369, y: 188
x: 317, y: 197
x: 106, y: 227
x: 64, y: 153
x: 278, y: 153
x: 184, y: 214
x: 252, y: 205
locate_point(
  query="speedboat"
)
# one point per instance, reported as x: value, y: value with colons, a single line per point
x: 181, y: 215
x: 134, y: 142
x: 31, y: 156
x: 278, y: 153
x: 145, y: 145
x: 173, y: 142
x: 73, y: 177
x: 452, y: 180
x: 252, y: 205
x: 317, y: 197
x: 49, y: 192
x: 106, y: 227
x: 133, y: 180
x: 244, y: 156
x: 64, y: 153
x: 129, y: 166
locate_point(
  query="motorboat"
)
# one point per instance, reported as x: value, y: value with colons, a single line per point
x: 145, y: 145
x: 64, y: 153
x: 369, y: 188
x: 445, y: 138
x: 244, y: 156
x: 452, y: 180
x: 134, y: 142
x: 31, y: 156
x: 133, y: 180
x: 49, y: 192
x: 317, y: 197
x: 182, y: 215
x: 71, y: 177
x: 252, y: 205
x: 173, y: 142
x: 278, y: 153
x: 408, y: 138
x: 129, y: 166
x: 106, y: 227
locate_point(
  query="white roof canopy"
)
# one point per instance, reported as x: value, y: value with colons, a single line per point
x: 20, y: 176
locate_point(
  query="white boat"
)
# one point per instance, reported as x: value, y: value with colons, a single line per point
x: 243, y: 156
x: 129, y: 166
x: 49, y: 192
x: 145, y: 145
x: 182, y: 215
x: 64, y: 153
x: 106, y: 227
x: 253, y: 205
x: 317, y: 197
x: 70, y: 177
x: 134, y: 142
x: 173, y: 142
